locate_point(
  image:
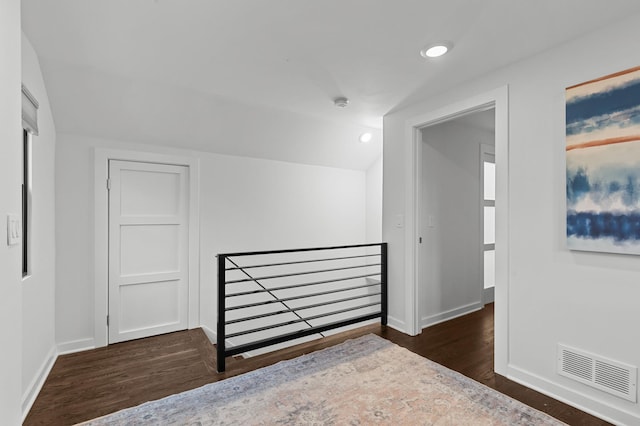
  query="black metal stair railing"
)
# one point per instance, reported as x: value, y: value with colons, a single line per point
x: 283, y: 295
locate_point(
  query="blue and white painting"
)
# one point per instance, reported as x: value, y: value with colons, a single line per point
x: 603, y: 164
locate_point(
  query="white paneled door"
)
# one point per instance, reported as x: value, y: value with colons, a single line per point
x: 148, y: 249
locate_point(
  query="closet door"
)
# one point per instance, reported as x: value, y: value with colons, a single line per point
x: 148, y: 249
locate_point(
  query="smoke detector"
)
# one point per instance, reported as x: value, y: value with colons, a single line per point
x: 341, y: 102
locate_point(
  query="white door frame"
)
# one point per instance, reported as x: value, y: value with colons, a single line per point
x: 101, y: 236
x: 499, y: 99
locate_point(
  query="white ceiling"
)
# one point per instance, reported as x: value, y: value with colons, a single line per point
x: 140, y: 64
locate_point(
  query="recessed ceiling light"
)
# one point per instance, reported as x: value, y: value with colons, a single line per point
x: 366, y: 137
x: 435, y: 50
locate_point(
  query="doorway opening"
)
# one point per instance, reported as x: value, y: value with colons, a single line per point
x: 456, y: 216
x: 497, y: 99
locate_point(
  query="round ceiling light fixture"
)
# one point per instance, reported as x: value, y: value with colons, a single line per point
x: 436, y: 50
x: 341, y: 102
x: 366, y: 137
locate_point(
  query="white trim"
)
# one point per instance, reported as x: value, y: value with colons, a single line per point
x: 582, y: 401
x: 34, y: 388
x: 499, y: 99
x: 212, y: 335
x: 76, y: 346
x: 101, y: 172
x: 396, y: 324
x: 450, y: 314
x: 412, y: 187
x: 213, y: 338
x: 488, y: 295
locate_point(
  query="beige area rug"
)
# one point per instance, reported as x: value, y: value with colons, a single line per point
x: 364, y: 381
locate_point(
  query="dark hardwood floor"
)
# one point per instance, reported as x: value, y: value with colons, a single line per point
x: 90, y: 384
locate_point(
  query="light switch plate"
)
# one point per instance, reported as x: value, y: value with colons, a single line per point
x: 13, y: 230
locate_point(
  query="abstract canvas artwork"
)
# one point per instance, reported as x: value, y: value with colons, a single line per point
x: 603, y: 164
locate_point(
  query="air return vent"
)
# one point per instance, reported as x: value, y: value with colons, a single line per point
x: 607, y: 375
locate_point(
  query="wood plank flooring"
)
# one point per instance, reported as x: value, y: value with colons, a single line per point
x: 90, y: 384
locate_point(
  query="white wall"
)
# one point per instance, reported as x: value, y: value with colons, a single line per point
x: 10, y: 180
x: 245, y: 204
x: 450, y: 257
x: 38, y: 290
x: 374, y: 202
x: 585, y: 300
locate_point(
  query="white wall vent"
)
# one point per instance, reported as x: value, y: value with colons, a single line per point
x: 607, y: 375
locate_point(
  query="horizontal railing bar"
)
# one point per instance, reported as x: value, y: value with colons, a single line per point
x: 297, y: 334
x: 302, y: 250
x: 269, y: 277
x: 301, y: 261
x: 297, y: 321
x: 301, y: 308
x: 305, y: 296
x: 246, y: 293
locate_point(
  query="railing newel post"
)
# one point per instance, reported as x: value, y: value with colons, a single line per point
x: 221, y: 350
x: 384, y: 288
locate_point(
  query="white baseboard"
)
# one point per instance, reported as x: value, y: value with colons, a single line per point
x: 450, y: 314
x: 396, y: 324
x: 76, y: 346
x: 213, y: 338
x: 371, y: 281
x: 29, y: 397
x: 489, y: 295
x: 575, y: 398
x: 212, y: 335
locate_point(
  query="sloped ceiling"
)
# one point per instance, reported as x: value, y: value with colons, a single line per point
x: 258, y: 78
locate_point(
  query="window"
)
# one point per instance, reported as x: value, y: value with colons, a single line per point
x: 30, y: 129
x: 26, y: 202
x: 488, y: 165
